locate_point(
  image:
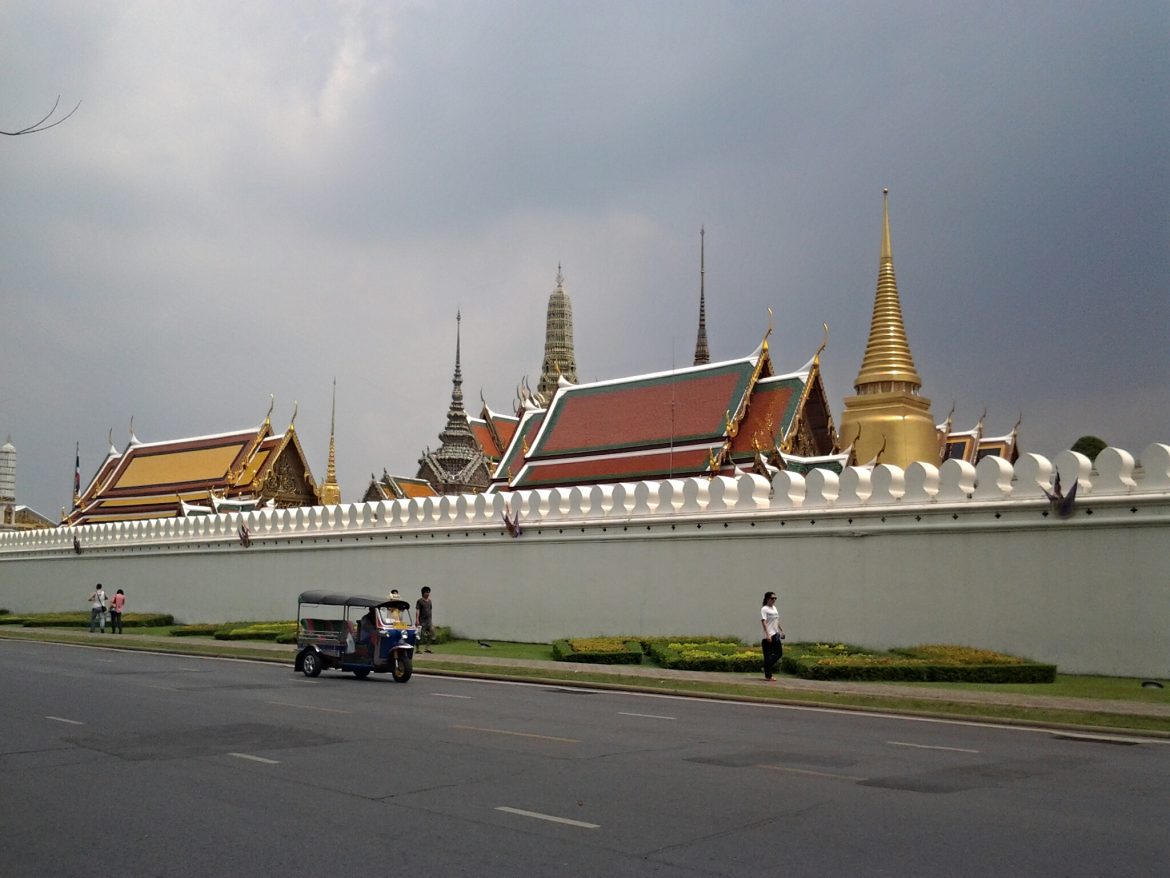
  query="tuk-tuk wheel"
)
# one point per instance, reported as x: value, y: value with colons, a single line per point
x: 362, y: 673
x: 402, y: 667
x: 311, y: 664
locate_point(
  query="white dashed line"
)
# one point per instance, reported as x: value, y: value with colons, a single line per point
x: 931, y: 747
x: 310, y: 707
x: 646, y: 715
x: 249, y: 756
x: 61, y: 719
x: 549, y: 817
x: 811, y: 773
x: 445, y: 695
x: 518, y: 734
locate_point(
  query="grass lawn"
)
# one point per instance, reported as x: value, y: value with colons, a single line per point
x: 1070, y: 686
x: 497, y: 649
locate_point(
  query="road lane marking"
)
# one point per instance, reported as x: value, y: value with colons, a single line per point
x: 445, y: 695
x: 61, y: 719
x: 549, y: 817
x: 518, y: 734
x: 309, y: 707
x: 646, y: 715
x: 931, y: 747
x: 255, y: 758
x: 827, y: 774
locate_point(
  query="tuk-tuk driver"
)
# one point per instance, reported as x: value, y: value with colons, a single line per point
x: 367, y: 626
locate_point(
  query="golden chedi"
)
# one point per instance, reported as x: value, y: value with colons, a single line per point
x: 888, y: 421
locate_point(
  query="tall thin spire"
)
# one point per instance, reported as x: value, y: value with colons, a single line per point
x: 458, y: 465
x: 702, y: 355
x: 457, y: 389
x: 76, y: 474
x: 331, y: 491
x: 888, y: 363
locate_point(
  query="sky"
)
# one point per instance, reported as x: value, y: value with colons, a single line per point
x: 257, y: 198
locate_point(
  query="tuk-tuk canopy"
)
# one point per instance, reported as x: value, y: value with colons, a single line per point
x: 340, y: 599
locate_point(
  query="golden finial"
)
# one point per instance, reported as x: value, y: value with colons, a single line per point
x: 293, y: 419
x: 824, y: 344
x: 271, y: 403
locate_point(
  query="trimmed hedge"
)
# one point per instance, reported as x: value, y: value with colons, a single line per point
x: 197, y: 630
x: 598, y: 650
x: 81, y: 620
x: 927, y: 663
x: 257, y: 631
x: 716, y: 655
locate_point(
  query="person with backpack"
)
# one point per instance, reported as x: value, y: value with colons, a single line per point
x: 97, y: 609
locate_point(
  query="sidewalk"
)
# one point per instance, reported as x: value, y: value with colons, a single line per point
x: 787, y: 688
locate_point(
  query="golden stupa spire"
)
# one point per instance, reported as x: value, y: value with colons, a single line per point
x: 888, y: 363
x: 331, y: 491
x: 888, y: 417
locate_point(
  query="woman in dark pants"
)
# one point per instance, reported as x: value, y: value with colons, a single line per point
x: 773, y: 634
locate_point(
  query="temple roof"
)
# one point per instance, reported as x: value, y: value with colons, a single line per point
x: 397, y: 488
x: 152, y: 480
x: 493, y: 431
x: 701, y: 420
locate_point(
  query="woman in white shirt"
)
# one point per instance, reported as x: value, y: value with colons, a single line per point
x: 773, y: 634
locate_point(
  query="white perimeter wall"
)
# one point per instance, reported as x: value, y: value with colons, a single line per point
x: 879, y: 558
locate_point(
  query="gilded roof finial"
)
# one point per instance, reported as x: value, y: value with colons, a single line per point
x: 293, y: 419
x: 824, y: 344
x: 271, y: 403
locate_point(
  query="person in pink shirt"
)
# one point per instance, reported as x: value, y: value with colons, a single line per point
x: 116, y: 604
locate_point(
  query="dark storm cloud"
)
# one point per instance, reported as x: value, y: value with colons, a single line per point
x: 255, y: 199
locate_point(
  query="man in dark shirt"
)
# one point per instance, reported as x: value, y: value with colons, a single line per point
x: 422, y: 612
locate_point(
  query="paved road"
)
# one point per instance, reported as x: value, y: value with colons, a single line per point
x: 138, y: 764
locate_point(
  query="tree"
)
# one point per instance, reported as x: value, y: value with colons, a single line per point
x: 1089, y: 446
x: 40, y: 125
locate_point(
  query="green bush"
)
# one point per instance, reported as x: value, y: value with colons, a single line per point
x: 707, y: 655
x: 926, y: 663
x: 598, y: 650
x: 81, y: 620
x: 257, y: 631
x: 196, y: 630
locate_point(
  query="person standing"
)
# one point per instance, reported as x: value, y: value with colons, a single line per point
x: 97, y: 609
x: 773, y: 634
x: 116, y: 604
x: 422, y: 612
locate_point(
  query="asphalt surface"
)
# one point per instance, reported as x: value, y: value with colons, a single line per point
x: 635, y: 676
x: 137, y: 763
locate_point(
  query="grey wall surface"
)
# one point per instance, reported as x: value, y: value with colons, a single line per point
x: 1089, y: 593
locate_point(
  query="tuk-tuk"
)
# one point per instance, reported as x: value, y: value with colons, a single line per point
x: 354, y: 633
